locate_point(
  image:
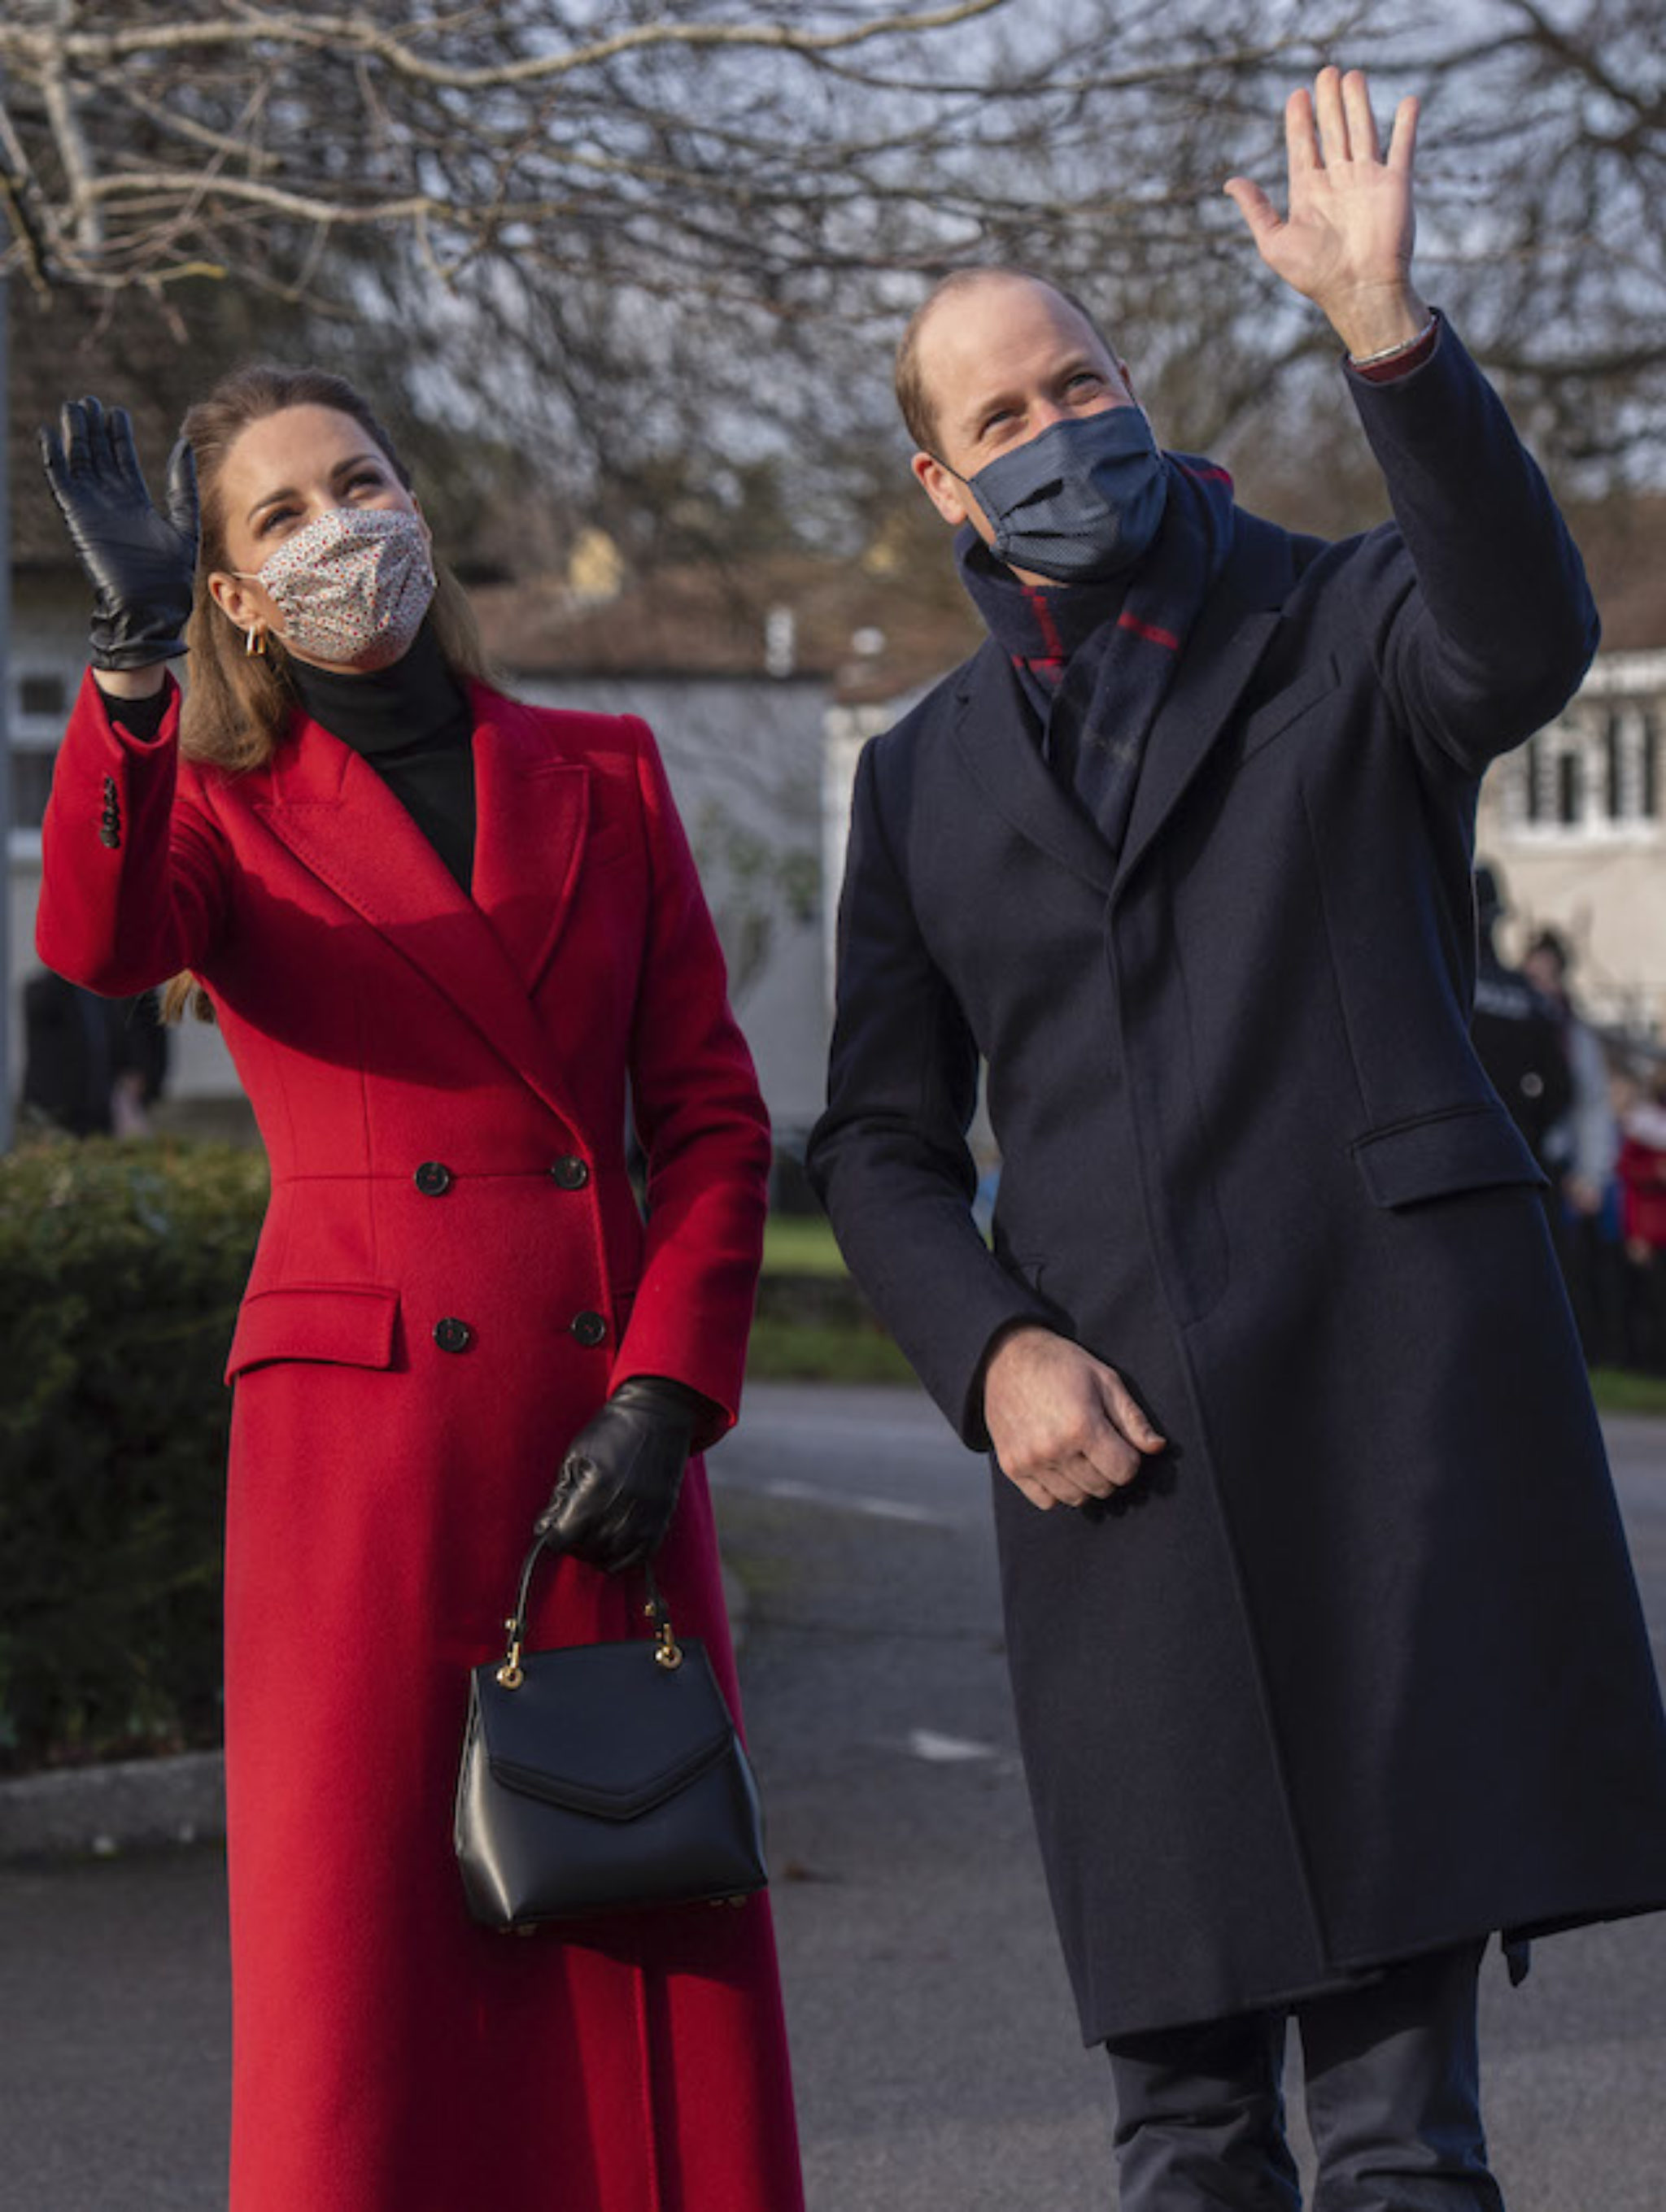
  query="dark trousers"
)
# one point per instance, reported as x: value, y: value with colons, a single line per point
x: 1393, y: 2103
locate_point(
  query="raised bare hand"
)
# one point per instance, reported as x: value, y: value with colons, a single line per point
x: 1065, y: 1427
x: 1345, y: 242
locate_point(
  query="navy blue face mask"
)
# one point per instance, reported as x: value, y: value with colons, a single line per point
x: 1081, y: 501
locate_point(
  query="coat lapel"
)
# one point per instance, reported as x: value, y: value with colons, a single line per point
x: 340, y: 821
x: 1220, y: 655
x: 1232, y: 633
x: 992, y: 729
x: 531, y: 807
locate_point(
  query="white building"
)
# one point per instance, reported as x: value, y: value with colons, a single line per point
x: 1576, y: 824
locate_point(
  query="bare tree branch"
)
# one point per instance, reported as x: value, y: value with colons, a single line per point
x: 355, y: 35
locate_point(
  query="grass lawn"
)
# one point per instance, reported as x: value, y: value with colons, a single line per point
x: 799, y: 1245
x: 810, y: 1351
x: 1617, y: 1390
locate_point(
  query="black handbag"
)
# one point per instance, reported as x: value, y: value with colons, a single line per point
x: 602, y: 1777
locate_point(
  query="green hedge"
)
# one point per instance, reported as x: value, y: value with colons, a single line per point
x: 120, y: 1269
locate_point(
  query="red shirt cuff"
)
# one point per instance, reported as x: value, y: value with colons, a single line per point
x: 1402, y: 364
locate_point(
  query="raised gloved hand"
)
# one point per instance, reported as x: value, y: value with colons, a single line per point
x: 617, y: 1492
x: 141, y: 564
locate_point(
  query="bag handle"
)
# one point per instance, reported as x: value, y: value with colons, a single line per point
x: 667, y: 1651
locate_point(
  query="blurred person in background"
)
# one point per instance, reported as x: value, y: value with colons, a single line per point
x: 1580, y: 1153
x: 1515, y: 1033
x: 1640, y: 1103
x: 92, y: 1066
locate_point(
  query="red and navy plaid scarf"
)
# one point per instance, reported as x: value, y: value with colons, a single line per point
x: 1095, y: 661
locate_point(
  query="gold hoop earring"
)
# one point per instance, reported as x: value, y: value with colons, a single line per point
x: 254, y: 642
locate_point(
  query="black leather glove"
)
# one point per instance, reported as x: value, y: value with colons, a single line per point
x: 141, y: 564
x: 617, y: 1492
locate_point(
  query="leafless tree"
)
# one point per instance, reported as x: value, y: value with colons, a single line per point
x: 1548, y: 152
x: 638, y: 203
x: 634, y: 251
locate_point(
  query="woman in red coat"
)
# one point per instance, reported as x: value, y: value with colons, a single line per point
x: 454, y: 944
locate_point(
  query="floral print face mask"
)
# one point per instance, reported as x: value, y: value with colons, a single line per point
x: 352, y: 585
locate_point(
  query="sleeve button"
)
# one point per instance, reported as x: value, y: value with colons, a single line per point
x: 570, y: 1172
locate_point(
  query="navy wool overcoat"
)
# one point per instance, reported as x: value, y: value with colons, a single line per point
x: 1357, y: 1668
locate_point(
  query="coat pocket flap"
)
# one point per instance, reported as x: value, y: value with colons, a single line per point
x: 1471, y: 1148
x: 350, y: 1325
x: 603, y: 1729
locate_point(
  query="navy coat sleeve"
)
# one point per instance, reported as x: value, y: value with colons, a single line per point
x: 1493, y: 623
x: 889, y: 1157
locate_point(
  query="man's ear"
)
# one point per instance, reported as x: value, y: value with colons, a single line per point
x: 942, y: 488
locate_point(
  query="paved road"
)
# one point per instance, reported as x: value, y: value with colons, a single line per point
x: 938, y: 2068
x: 863, y: 1527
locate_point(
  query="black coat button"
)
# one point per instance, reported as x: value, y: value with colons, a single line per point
x: 588, y: 1328
x: 452, y: 1334
x: 432, y: 1178
x: 570, y: 1173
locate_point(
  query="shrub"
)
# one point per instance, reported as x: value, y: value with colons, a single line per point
x: 121, y: 1265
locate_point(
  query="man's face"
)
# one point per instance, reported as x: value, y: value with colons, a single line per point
x: 1001, y: 362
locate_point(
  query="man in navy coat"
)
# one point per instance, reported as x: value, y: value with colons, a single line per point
x: 1326, y: 1651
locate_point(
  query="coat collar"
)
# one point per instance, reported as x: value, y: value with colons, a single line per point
x: 1232, y: 632
x: 992, y: 727
x: 486, y: 952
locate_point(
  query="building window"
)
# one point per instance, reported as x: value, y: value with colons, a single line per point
x: 43, y: 695
x: 31, y: 782
x: 1594, y: 773
x: 1614, y: 770
x: 1648, y: 763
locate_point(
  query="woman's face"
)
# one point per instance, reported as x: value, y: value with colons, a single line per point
x: 282, y: 473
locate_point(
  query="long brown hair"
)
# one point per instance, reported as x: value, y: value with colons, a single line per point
x: 237, y: 706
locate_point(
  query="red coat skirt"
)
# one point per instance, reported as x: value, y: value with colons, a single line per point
x: 453, y: 1275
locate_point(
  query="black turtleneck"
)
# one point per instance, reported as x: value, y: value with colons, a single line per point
x: 410, y: 722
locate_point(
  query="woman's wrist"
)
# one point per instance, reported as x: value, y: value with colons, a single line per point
x: 131, y: 683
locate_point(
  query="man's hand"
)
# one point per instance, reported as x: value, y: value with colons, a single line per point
x: 1345, y: 243
x: 1063, y: 1424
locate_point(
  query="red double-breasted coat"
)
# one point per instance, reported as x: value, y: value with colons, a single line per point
x: 452, y: 1275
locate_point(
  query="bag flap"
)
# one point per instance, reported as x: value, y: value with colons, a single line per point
x: 603, y: 1729
x: 350, y: 1324
x: 1469, y: 1148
